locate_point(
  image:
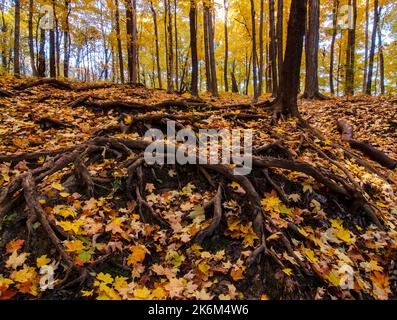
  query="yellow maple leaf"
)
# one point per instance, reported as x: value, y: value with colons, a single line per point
x: 137, y: 255
x: 87, y: 293
x: 105, y: 278
x: 271, y: 203
x: 142, y: 293
x: 42, y: 261
x: 71, y: 226
x: 74, y: 246
x: 310, y: 255
x: 204, y: 267
x: 345, y: 236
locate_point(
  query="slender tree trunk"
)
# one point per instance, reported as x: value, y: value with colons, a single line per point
x: 207, y: 50
x: 312, y: 44
x: 57, y: 41
x: 176, y: 45
x: 226, y: 62
x: 368, y: 89
x: 290, y: 81
x: 17, y: 71
x: 255, y: 71
x: 31, y: 44
x: 156, y: 33
x: 41, y: 59
x: 280, y: 45
x: 233, y: 76
x: 170, y: 77
x: 3, y: 37
x: 193, y: 47
x: 261, y: 46
x: 350, y: 53
x: 211, y: 34
x: 273, y: 48
x: 66, y: 43
x: 381, y: 56
x: 119, y: 47
x: 132, y: 51
x: 53, y: 73
x: 366, y: 45
x: 334, y: 33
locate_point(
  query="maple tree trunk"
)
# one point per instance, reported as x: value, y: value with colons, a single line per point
x: 368, y: 89
x: 312, y: 44
x: 52, y: 59
x: 234, y: 81
x: 261, y: 47
x: 280, y: 45
x: 17, y: 71
x: 176, y: 46
x: 41, y: 58
x: 193, y: 47
x: 170, y: 77
x: 254, y: 68
x: 207, y: 51
x: 366, y: 45
x: 57, y: 41
x: 131, y: 40
x: 31, y: 45
x: 211, y: 32
x: 226, y: 62
x: 286, y: 102
x: 156, y: 34
x: 273, y: 49
x: 335, y: 10
x: 350, y: 52
x: 119, y: 48
x: 381, y: 57
x: 66, y: 44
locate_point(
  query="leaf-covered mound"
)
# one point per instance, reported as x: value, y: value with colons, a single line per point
x: 315, y: 219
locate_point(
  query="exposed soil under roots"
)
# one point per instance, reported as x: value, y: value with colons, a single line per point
x: 298, y: 190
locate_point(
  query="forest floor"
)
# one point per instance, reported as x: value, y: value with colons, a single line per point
x: 83, y: 216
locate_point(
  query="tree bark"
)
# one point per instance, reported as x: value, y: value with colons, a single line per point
x: 381, y: 56
x: 193, y: 47
x: 286, y: 102
x: 17, y: 71
x: 66, y: 43
x: 261, y: 47
x: 273, y: 49
x: 119, y: 47
x: 176, y: 46
x: 366, y: 45
x: 31, y: 44
x: 170, y: 77
x: 350, y: 53
x: 335, y: 11
x: 368, y: 89
x: 312, y: 44
x: 254, y: 68
x: 211, y: 34
x: 280, y: 45
x: 226, y: 62
x: 206, y: 50
x: 156, y: 34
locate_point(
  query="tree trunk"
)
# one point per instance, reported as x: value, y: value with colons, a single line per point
x: 3, y: 37
x: 170, y: 78
x: 286, y: 102
x: 131, y: 40
x: 41, y: 58
x: 254, y: 68
x: 176, y: 46
x: 332, y: 53
x: 66, y: 43
x: 273, y: 49
x: 207, y: 50
x: 366, y: 45
x: 52, y: 58
x: 31, y: 44
x: 226, y: 62
x: 211, y: 35
x: 280, y: 45
x: 381, y: 56
x: 261, y: 47
x: 119, y: 47
x: 350, y: 53
x: 234, y: 81
x: 368, y: 89
x: 17, y: 71
x: 156, y: 33
x: 193, y: 47
x: 312, y: 44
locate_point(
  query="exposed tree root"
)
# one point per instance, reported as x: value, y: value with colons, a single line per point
x: 60, y: 85
x: 365, y: 147
x: 6, y: 93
